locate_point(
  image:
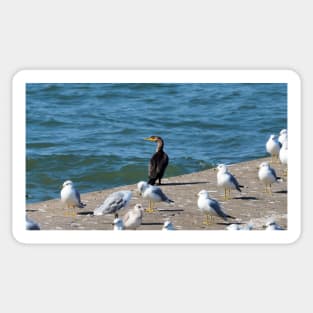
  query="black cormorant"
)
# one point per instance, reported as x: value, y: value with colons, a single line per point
x: 158, y: 162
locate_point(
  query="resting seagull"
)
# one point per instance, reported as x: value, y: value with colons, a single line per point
x: 114, y: 203
x: 153, y: 194
x: 283, y: 155
x: 133, y: 218
x: 226, y: 180
x: 210, y: 206
x: 268, y: 176
x: 283, y: 135
x: 273, y: 147
x: 71, y: 196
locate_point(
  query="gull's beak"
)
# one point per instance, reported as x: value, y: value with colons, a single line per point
x: 214, y: 169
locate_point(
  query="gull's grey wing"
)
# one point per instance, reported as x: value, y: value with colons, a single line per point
x: 160, y: 193
x: 113, y: 203
x: 235, y: 182
x: 273, y: 173
x: 216, y: 207
x: 77, y: 194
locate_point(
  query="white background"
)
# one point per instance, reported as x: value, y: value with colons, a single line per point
x: 140, y: 35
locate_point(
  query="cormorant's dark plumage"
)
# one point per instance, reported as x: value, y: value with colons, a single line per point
x: 158, y: 162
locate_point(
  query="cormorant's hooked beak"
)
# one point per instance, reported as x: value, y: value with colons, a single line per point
x: 149, y: 139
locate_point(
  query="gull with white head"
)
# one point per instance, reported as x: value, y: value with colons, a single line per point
x: 70, y: 196
x: 267, y: 175
x: 283, y: 155
x: 226, y: 180
x: 273, y: 147
x: 133, y: 218
x: 153, y: 194
x: 210, y: 207
x: 283, y: 136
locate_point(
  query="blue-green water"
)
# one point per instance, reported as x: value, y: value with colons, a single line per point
x: 93, y: 133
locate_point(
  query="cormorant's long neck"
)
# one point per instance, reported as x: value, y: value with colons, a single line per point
x: 160, y: 145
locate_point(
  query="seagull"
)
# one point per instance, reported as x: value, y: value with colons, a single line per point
x: 283, y: 155
x: 272, y: 225
x: 248, y: 226
x: 133, y: 218
x: 283, y: 135
x: 153, y: 194
x: 273, y: 147
x: 268, y: 176
x: 168, y: 225
x: 118, y: 223
x: 210, y: 207
x: 226, y: 180
x: 114, y: 203
x: 71, y: 196
x: 31, y: 225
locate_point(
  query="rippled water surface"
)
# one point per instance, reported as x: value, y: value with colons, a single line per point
x: 93, y: 133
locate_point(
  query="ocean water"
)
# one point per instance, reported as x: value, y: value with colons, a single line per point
x: 93, y: 133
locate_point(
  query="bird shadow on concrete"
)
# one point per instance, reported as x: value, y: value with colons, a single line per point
x: 229, y: 223
x: 170, y: 210
x: 183, y: 183
x: 85, y: 213
x: 246, y: 198
x: 281, y: 191
x: 154, y: 223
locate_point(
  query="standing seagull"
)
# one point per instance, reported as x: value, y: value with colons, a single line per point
x: 210, y: 207
x: 283, y: 155
x: 114, y: 203
x: 282, y: 136
x: 153, y: 194
x: 71, y: 196
x: 158, y: 162
x: 226, y: 180
x: 273, y: 147
x: 133, y: 218
x: 267, y: 175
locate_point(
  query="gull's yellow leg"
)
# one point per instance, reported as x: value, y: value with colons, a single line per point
x: 206, y: 222
x: 150, y: 208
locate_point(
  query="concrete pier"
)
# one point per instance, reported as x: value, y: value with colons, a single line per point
x: 252, y: 205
